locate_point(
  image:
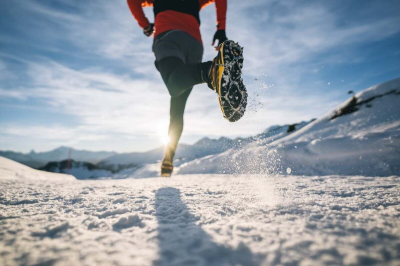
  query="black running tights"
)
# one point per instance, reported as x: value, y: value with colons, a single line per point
x: 179, y: 79
x: 178, y: 76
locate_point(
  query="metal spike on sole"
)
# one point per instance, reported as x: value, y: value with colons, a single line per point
x: 233, y: 93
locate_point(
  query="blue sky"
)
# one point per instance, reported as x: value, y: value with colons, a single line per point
x: 81, y: 73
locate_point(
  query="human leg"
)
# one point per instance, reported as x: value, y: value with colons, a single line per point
x: 177, y: 109
x: 178, y: 59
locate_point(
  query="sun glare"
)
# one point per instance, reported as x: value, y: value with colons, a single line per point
x: 163, y: 134
x: 164, y: 139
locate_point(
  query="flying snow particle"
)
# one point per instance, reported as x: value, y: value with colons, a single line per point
x: 288, y: 170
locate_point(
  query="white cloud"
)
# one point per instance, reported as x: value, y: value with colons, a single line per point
x: 100, y: 99
x: 12, y: 94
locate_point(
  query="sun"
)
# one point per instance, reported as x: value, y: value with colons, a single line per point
x: 163, y: 134
x: 164, y: 140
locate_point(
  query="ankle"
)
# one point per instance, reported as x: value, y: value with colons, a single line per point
x: 169, y: 154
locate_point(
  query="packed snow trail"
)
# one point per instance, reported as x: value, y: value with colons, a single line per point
x: 199, y: 220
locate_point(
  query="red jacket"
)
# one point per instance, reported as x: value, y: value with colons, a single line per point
x: 177, y: 14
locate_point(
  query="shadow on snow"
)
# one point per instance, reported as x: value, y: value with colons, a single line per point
x: 182, y: 242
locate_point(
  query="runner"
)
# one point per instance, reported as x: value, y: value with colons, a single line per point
x: 178, y: 49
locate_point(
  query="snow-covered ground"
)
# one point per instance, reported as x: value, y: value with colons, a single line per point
x: 51, y: 219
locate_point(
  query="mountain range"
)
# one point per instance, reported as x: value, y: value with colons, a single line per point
x: 112, y: 162
x: 40, y: 159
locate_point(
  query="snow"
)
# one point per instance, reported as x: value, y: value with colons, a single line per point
x: 84, y: 173
x: 365, y: 142
x: 148, y: 170
x: 16, y: 171
x: 52, y: 219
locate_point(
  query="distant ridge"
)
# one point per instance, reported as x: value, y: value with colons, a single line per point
x: 39, y: 159
x: 115, y: 162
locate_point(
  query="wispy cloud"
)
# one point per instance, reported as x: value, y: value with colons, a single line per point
x: 104, y: 100
x: 12, y: 94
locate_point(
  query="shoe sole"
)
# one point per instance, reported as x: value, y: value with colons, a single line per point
x: 232, y: 93
x: 166, y: 174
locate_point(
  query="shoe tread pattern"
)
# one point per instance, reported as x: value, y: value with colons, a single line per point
x: 233, y: 93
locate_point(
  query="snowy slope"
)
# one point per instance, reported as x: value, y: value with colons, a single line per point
x: 198, y: 220
x: 16, y: 171
x: 276, y: 132
x: 364, y: 142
